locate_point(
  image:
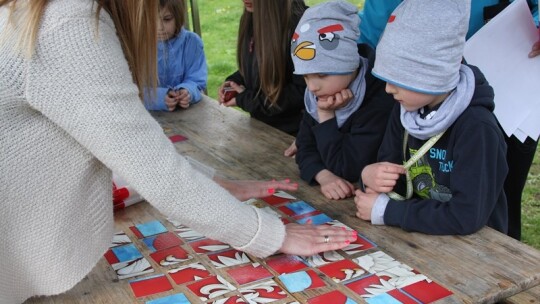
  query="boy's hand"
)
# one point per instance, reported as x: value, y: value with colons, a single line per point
x: 334, y: 187
x: 183, y: 98
x: 364, y: 203
x: 335, y: 102
x: 382, y: 177
x: 291, y: 150
x: 170, y: 100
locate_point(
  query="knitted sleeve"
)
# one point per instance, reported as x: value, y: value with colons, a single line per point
x: 80, y: 80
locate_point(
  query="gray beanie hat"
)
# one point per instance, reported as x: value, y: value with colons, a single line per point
x: 422, y: 45
x: 325, y: 39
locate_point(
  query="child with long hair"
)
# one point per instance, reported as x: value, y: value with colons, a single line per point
x: 265, y: 84
x: 182, y: 70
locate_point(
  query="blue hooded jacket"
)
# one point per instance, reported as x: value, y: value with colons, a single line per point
x: 181, y: 65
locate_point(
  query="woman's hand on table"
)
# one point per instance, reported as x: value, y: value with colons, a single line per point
x: 246, y: 189
x: 306, y: 240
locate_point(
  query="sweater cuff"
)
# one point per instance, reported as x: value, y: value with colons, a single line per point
x: 377, y: 212
x: 269, y: 236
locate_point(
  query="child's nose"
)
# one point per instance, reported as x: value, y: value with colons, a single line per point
x: 390, y: 88
x: 312, y: 86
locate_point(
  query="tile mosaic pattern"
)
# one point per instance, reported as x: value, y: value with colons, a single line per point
x: 212, y: 272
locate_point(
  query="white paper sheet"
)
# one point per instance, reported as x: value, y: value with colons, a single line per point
x: 529, y: 125
x: 500, y: 49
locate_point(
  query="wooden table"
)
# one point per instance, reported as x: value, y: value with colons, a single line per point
x: 481, y: 268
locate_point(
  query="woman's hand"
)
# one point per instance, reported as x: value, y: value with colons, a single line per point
x: 291, y: 150
x: 306, y: 240
x: 246, y: 189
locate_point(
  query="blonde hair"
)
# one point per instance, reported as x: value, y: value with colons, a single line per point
x: 135, y: 22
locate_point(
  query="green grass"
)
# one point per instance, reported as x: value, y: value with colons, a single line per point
x: 219, y: 26
x: 219, y: 23
x: 531, y: 205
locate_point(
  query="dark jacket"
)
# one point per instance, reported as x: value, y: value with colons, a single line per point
x: 287, y: 113
x: 467, y: 166
x: 345, y: 151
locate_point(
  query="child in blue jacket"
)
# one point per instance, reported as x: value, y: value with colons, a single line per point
x: 442, y: 144
x: 182, y: 70
x: 347, y: 108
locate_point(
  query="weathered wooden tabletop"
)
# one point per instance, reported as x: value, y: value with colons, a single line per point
x: 484, y: 267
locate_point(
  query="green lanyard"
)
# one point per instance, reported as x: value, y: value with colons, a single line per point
x: 423, y: 150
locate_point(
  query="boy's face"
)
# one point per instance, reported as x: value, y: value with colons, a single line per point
x: 324, y: 85
x: 411, y: 100
x: 166, y: 28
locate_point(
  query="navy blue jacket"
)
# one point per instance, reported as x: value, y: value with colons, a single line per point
x: 468, y: 167
x: 345, y: 151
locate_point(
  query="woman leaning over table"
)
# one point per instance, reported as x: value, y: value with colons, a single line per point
x: 70, y: 112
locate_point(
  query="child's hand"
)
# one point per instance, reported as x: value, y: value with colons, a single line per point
x: 335, y: 102
x: 230, y: 103
x: 382, y: 177
x: 221, y: 93
x: 291, y: 150
x: 364, y: 203
x: 171, y: 101
x: 183, y: 98
x: 334, y: 187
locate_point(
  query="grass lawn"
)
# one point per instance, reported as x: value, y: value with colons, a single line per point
x: 531, y: 205
x: 219, y: 23
x: 219, y: 26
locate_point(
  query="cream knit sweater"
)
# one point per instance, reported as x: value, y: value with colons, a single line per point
x: 68, y: 117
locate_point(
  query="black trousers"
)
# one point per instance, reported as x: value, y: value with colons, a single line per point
x: 519, y: 157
